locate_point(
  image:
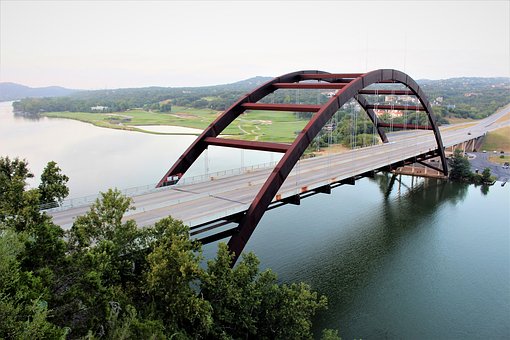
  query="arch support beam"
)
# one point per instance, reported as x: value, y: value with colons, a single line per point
x: 353, y: 86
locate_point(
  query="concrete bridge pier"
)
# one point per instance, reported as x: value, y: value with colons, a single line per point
x: 471, y: 145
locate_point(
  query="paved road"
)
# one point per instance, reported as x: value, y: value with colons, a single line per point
x: 202, y: 202
x: 480, y: 161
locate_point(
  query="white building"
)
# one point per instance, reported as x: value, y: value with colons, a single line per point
x: 99, y: 108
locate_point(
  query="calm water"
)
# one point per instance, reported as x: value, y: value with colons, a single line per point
x: 425, y: 260
x: 98, y: 158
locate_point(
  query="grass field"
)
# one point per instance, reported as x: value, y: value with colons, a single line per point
x: 259, y: 125
x: 266, y: 126
x: 453, y: 128
x: 498, y: 160
x: 498, y: 140
x: 129, y: 120
x: 456, y: 120
x: 503, y: 119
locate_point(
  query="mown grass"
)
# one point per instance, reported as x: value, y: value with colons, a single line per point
x: 459, y: 127
x: 504, y: 118
x: 272, y: 126
x: 193, y: 118
x: 498, y: 140
x: 456, y: 120
x: 497, y: 159
x: 256, y: 125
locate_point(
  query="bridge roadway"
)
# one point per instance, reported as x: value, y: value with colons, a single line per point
x: 209, y: 200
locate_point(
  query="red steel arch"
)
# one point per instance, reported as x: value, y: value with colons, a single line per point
x: 348, y: 86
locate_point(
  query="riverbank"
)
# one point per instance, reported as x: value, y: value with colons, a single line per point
x: 136, y: 120
x: 271, y: 126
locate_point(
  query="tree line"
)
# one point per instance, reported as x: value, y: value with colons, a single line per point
x: 456, y: 97
x: 109, y: 279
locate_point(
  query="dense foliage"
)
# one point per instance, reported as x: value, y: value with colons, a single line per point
x: 53, y: 188
x: 460, y: 170
x: 467, y: 97
x: 150, y: 98
x: 106, y: 278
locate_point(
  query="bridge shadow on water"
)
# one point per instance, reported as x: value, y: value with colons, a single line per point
x: 338, y: 243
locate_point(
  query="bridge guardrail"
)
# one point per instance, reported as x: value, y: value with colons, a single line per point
x: 144, y: 189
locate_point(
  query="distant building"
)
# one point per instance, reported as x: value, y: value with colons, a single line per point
x: 411, y: 99
x: 392, y: 113
x: 399, y: 99
x: 99, y: 108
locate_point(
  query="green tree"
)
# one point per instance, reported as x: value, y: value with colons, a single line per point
x: 109, y: 279
x: 24, y: 313
x: 53, y: 188
x: 486, y: 175
x: 247, y: 303
x: 330, y: 334
x: 460, y: 169
x: 103, y: 267
x: 174, y: 279
x: 19, y: 211
x: 165, y: 107
x: 13, y: 177
x: 103, y: 222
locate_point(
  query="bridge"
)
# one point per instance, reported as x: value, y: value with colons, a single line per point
x: 231, y: 206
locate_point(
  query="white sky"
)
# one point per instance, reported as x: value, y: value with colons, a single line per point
x: 111, y: 44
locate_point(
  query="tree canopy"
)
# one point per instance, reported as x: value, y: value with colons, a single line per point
x: 106, y: 278
x: 460, y: 170
x: 53, y: 188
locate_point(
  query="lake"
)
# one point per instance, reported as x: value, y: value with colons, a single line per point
x: 421, y: 259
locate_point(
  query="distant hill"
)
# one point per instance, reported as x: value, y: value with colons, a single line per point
x: 13, y: 91
x: 244, y: 85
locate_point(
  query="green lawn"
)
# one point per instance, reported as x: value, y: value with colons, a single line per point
x: 256, y: 125
x: 193, y: 118
x: 272, y: 126
x: 497, y: 159
x: 498, y: 140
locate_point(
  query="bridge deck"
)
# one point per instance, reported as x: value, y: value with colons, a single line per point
x: 209, y: 200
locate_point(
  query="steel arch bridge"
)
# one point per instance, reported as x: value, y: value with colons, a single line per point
x: 347, y: 85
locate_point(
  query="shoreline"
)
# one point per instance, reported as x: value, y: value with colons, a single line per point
x: 133, y: 128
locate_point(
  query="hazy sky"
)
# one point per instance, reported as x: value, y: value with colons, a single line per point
x: 110, y: 44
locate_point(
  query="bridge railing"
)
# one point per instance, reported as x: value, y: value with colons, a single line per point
x: 145, y: 189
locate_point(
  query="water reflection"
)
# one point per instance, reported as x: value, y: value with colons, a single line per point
x: 359, y: 245
x: 411, y: 204
x: 96, y: 159
x: 26, y: 116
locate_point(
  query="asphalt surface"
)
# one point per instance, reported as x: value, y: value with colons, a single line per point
x: 222, y: 196
x: 480, y: 160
